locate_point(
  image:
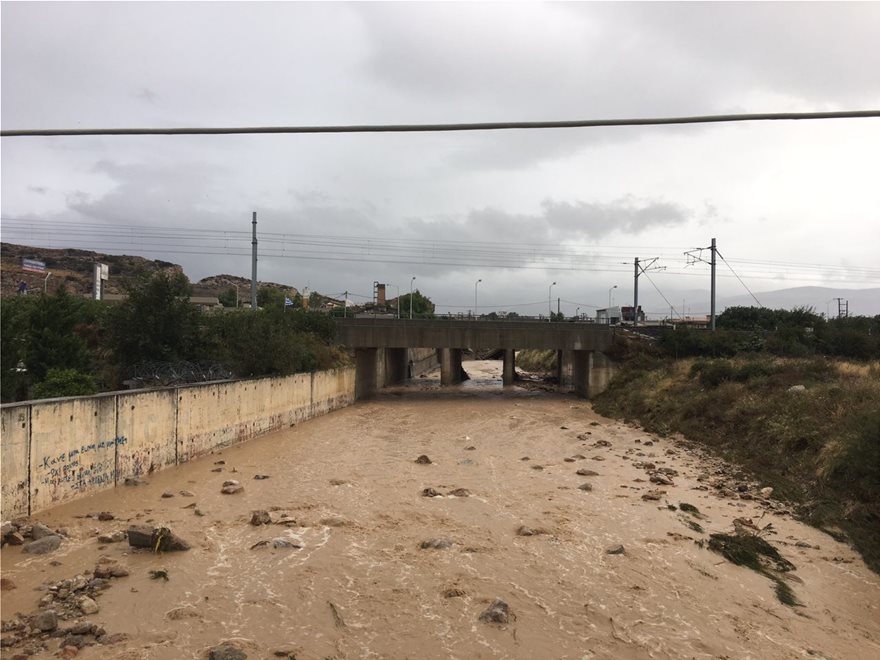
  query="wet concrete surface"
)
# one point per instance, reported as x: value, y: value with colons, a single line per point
x: 361, y: 585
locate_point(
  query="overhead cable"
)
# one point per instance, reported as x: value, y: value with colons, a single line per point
x: 436, y: 128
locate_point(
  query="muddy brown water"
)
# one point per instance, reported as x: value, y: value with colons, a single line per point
x: 350, y: 481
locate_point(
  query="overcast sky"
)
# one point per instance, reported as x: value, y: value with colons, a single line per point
x: 452, y: 208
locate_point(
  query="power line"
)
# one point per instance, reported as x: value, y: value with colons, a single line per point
x: 671, y: 306
x: 24, y: 229
x: 739, y: 278
x: 370, y: 249
x: 435, y: 128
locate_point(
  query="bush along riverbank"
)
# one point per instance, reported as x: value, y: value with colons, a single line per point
x: 808, y: 427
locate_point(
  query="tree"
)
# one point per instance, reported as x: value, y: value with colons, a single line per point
x: 41, y: 333
x: 422, y: 307
x: 228, y: 298
x: 65, y: 382
x: 267, y: 297
x: 272, y: 341
x: 156, y: 323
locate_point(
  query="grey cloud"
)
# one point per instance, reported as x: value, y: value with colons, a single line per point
x: 628, y: 215
x: 558, y: 221
x: 595, y: 60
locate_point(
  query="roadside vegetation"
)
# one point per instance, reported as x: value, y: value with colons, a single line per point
x: 797, y: 405
x: 66, y: 345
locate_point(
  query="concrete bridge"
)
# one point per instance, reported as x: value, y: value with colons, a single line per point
x: 382, y: 348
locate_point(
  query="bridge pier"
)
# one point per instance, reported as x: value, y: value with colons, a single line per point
x: 508, y: 372
x: 601, y: 369
x: 366, y: 372
x: 580, y: 372
x: 450, y: 366
x: 396, y: 363
x: 586, y: 372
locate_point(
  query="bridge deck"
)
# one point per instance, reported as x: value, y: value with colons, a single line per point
x: 440, y: 333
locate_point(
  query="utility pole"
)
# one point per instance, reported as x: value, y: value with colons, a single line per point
x: 558, y: 307
x: 345, y: 306
x: 842, y: 307
x: 254, y: 264
x: 636, y: 292
x: 638, y: 269
x: 697, y: 255
x: 712, y: 323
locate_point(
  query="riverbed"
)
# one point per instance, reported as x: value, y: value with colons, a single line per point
x: 361, y: 586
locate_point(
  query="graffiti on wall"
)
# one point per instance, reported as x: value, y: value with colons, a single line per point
x: 81, y: 468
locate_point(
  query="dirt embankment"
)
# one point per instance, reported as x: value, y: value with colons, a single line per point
x: 532, y: 528
x: 809, y: 427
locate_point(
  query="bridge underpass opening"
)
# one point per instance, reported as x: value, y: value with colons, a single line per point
x: 380, y: 346
x: 461, y: 371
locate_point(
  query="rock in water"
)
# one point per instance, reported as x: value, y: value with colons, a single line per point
x: 527, y: 531
x: 43, y: 545
x: 227, y: 651
x: 498, y: 612
x: 231, y: 487
x: 261, y: 518
x: 39, y: 531
x: 423, y: 460
x: 87, y: 605
x: 45, y: 621
x: 158, y: 539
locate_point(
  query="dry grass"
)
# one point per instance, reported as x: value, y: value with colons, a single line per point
x: 819, y: 447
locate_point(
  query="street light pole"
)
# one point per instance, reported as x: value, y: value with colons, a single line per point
x: 608, y: 313
x: 475, y: 298
x: 411, y: 296
x: 550, y: 301
x: 609, y: 296
x: 398, y: 300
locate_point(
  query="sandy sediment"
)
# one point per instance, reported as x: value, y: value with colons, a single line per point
x: 355, y: 581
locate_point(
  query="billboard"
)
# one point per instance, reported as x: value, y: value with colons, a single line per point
x: 33, y: 266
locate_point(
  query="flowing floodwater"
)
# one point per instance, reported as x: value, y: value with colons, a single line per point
x: 361, y: 586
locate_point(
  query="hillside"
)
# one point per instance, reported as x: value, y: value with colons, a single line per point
x: 74, y: 269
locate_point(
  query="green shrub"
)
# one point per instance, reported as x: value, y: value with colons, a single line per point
x: 713, y: 373
x: 65, y: 382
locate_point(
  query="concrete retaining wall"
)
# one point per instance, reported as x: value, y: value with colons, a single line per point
x: 57, y: 450
x: 424, y: 360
